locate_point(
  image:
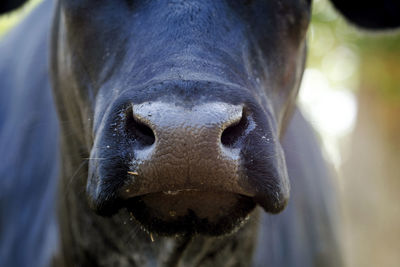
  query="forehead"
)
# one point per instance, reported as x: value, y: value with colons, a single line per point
x: 194, y: 7
x: 288, y: 18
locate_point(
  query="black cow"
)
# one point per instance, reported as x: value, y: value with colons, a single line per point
x: 176, y: 121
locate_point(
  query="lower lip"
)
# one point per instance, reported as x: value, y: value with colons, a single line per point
x: 168, y: 205
x: 175, y: 192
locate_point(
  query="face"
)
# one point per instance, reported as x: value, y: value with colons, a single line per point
x: 181, y: 105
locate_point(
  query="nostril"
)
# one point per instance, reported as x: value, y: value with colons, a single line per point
x: 139, y: 132
x: 235, y: 132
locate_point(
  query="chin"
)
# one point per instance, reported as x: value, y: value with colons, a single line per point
x: 190, y: 212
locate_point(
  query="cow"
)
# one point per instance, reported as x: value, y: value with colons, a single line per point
x: 164, y: 133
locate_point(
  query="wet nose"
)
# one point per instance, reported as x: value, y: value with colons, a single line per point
x: 187, y: 148
x: 169, y: 125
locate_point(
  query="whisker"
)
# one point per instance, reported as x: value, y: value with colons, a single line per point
x: 70, y: 180
x: 134, y: 232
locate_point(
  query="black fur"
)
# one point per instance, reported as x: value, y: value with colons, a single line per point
x: 371, y: 14
x: 10, y: 5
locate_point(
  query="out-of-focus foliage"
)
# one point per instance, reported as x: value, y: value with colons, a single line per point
x: 366, y: 64
x: 339, y: 49
x: 341, y: 58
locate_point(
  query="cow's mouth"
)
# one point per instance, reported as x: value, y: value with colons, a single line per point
x: 190, y: 211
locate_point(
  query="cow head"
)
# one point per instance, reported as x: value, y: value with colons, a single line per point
x: 181, y: 104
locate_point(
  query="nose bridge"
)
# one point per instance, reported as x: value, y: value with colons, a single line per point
x: 189, y: 40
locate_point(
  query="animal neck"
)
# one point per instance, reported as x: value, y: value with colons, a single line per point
x: 91, y: 240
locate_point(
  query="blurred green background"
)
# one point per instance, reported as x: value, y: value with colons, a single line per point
x: 351, y: 94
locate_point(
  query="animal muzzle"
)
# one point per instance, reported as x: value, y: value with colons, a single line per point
x: 203, y: 161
